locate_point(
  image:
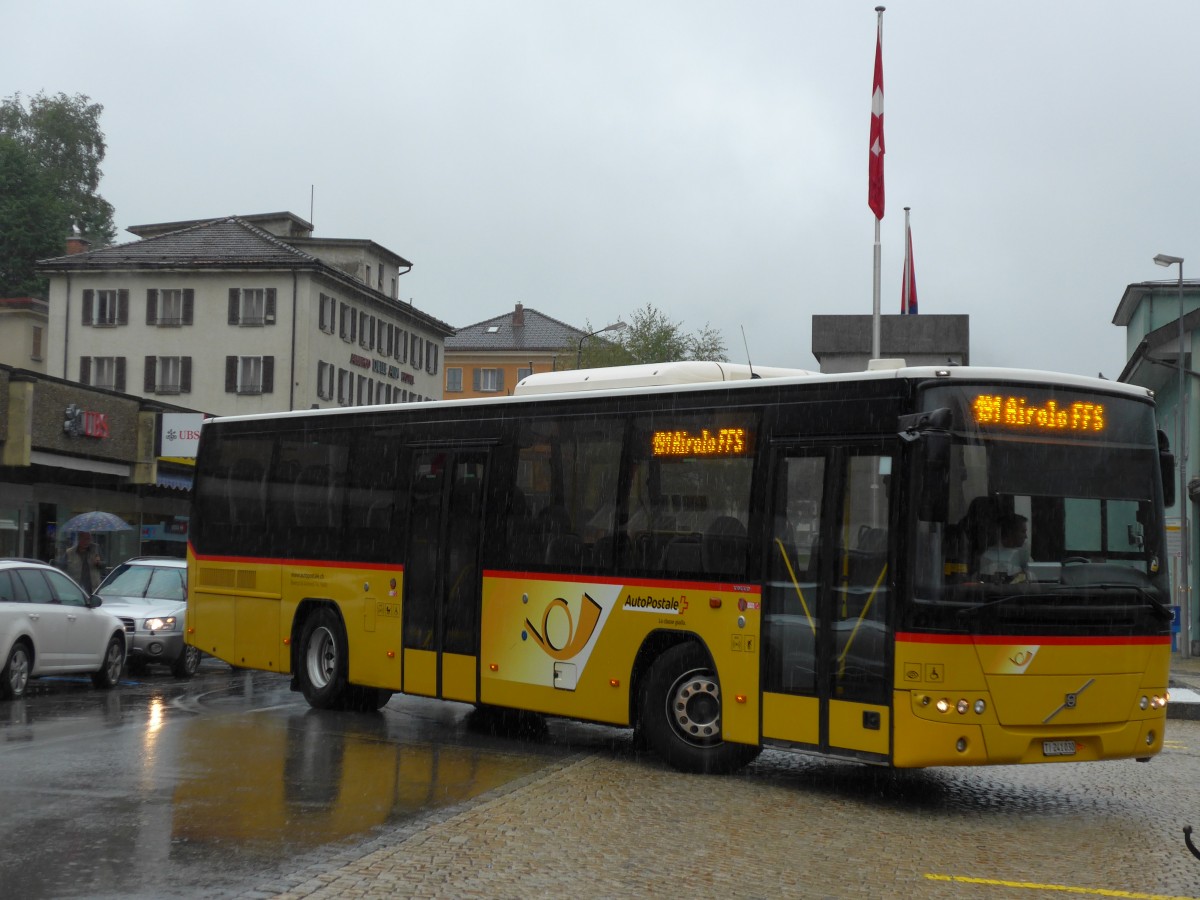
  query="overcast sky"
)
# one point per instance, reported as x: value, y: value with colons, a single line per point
x: 709, y: 158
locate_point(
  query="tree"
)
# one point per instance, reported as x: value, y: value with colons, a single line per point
x: 64, y: 135
x: 649, y: 337
x: 32, y: 220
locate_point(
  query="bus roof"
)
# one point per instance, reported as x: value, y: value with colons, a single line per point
x: 693, y: 376
x: 650, y: 375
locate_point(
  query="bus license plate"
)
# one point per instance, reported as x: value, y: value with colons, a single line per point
x: 1058, y: 748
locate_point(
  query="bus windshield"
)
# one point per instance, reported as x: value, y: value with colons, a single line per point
x: 1042, y: 516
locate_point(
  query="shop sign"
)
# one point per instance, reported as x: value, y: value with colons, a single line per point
x: 79, y: 422
x: 181, y: 434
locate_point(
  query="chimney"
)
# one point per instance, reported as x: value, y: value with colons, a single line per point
x: 77, y: 244
x: 518, y: 317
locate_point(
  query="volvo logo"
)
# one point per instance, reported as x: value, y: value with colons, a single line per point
x: 1069, y: 700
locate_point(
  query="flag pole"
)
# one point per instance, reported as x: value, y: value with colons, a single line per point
x: 876, y: 188
x: 905, y: 291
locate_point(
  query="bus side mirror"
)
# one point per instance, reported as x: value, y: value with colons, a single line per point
x: 1166, y: 465
x: 1166, y: 462
x: 931, y: 431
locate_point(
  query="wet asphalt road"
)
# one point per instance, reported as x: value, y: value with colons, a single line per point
x: 229, y: 785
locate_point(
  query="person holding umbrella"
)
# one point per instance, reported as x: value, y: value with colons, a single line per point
x: 82, y: 561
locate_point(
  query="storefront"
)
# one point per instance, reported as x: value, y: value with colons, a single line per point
x: 66, y: 448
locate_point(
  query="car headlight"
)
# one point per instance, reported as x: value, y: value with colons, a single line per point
x: 163, y: 623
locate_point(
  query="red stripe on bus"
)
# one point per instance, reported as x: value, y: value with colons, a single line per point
x: 321, y: 563
x: 633, y: 579
x: 1069, y: 640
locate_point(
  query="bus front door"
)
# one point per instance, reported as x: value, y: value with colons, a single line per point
x: 440, y: 612
x: 825, y: 638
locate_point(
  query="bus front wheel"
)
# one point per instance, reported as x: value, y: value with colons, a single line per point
x: 322, y: 668
x: 680, y: 714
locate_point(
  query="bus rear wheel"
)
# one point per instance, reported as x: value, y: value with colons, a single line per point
x: 680, y: 714
x: 322, y: 661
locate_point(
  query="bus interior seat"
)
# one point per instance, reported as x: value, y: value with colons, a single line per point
x: 724, y: 546
x: 682, y: 554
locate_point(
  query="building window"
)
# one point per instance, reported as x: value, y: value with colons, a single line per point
x: 345, y: 387
x: 488, y: 380
x: 249, y: 374
x: 393, y: 287
x: 35, y: 351
x: 106, y: 372
x: 401, y: 349
x: 368, y: 276
x: 325, y: 378
x: 454, y: 381
x: 168, y: 375
x: 328, y: 313
x: 251, y: 306
x: 106, y: 308
x: 348, y: 329
x: 431, y: 357
x: 170, y: 307
x: 379, y: 283
x: 524, y: 372
x: 415, y: 352
x: 364, y: 391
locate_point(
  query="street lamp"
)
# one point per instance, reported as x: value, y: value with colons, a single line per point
x: 615, y: 326
x: 1185, y: 631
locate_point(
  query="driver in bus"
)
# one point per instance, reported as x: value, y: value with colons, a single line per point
x: 1007, y: 561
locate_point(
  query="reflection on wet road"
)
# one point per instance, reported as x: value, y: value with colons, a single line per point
x: 186, y: 788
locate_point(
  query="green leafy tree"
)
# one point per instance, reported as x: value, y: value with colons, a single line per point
x: 32, y: 220
x: 59, y: 193
x: 650, y: 336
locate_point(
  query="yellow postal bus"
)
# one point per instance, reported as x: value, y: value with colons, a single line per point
x: 908, y: 567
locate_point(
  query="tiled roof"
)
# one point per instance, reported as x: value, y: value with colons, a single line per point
x: 540, y: 332
x: 221, y: 242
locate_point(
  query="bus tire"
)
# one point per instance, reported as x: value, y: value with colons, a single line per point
x: 322, y: 661
x: 680, y: 714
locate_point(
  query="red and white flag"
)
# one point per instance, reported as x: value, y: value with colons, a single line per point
x: 908, y: 291
x: 875, y: 170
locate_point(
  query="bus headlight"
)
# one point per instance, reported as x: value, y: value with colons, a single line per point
x: 980, y: 706
x: 943, y: 705
x: 962, y: 706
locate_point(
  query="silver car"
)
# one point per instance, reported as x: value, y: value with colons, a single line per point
x: 149, y: 594
x: 50, y: 626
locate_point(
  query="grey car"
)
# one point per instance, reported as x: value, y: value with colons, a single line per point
x: 149, y: 594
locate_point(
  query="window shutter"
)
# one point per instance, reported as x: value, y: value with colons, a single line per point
x: 89, y: 298
x: 189, y: 303
x: 85, y: 370
x: 268, y: 374
x: 269, y: 307
x: 235, y: 297
x: 353, y: 325
x: 231, y: 367
x: 475, y: 379
x: 151, y: 307
x: 123, y: 306
x: 185, y: 375
x: 149, y: 383
x: 120, y: 385
x: 499, y: 379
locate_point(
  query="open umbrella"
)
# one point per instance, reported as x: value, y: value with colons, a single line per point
x: 95, y: 521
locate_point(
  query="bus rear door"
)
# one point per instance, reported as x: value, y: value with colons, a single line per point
x: 825, y: 639
x: 441, y: 573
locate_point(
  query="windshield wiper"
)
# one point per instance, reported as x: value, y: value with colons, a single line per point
x: 1160, y: 609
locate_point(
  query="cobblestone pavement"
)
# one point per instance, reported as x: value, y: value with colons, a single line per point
x: 614, y: 825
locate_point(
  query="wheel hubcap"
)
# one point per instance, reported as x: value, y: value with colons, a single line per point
x: 694, y: 708
x: 18, y: 672
x: 321, y: 658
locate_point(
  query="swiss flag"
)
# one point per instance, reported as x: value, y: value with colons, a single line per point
x: 875, y: 170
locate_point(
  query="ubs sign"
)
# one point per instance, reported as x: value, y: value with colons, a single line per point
x: 79, y: 422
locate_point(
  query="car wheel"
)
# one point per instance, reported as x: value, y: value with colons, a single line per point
x: 680, y: 714
x: 187, y: 663
x: 322, y: 664
x: 109, y: 673
x: 14, y: 680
